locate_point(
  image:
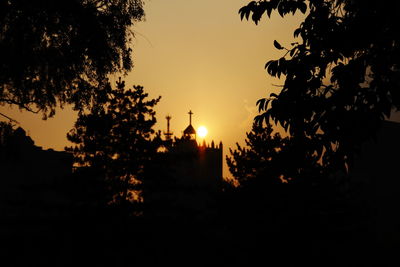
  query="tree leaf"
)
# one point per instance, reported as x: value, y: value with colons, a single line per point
x: 302, y: 7
x: 297, y: 32
x: 277, y: 45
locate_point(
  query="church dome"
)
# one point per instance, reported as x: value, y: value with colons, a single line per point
x: 189, y: 130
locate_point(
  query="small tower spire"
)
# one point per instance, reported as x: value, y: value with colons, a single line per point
x: 168, y: 134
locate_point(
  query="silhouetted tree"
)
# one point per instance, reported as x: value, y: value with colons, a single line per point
x: 261, y: 146
x: 341, y: 76
x: 284, y: 194
x: 269, y: 156
x: 57, y: 52
x: 117, y: 141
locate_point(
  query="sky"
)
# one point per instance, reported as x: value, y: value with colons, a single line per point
x: 198, y: 56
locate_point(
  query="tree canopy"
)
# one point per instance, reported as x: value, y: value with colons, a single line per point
x: 116, y: 139
x: 271, y: 159
x: 57, y: 52
x: 341, y: 79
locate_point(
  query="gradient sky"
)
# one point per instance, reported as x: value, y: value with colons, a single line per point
x: 199, y: 56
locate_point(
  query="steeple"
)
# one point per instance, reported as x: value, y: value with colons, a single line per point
x: 190, y: 132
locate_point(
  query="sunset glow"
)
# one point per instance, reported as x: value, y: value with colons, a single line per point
x: 202, y: 131
x: 200, y: 64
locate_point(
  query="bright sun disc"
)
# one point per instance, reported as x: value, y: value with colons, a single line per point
x: 202, y: 131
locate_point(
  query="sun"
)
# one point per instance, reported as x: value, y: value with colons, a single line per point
x: 202, y: 131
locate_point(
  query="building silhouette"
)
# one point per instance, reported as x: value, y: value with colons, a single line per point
x: 31, y: 178
x: 187, y: 176
x: 195, y: 174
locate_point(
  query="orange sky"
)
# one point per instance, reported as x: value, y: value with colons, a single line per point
x: 198, y: 56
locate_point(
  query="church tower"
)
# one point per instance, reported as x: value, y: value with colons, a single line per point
x: 196, y: 172
x: 189, y: 133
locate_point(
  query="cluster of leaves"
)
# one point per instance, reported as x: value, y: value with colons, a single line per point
x: 116, y: 139
x: 258, y: 8
x: 57, y: 52
x: 341, y: 78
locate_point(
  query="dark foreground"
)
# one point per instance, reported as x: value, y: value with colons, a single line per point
x: 116, y: 241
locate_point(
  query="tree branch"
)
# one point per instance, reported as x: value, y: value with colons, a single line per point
x: 19, y: 104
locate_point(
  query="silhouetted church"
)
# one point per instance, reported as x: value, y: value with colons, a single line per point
x: 196, y: 172
x: 200, y: 164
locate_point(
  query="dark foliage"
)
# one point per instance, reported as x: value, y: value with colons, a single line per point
x: 6, y: 130
x: 117, y: 141
x: 340, y: 80
x: 57, y: 52
x: 287, y: 201
x: 273, y: 185
x: 268, y: 156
